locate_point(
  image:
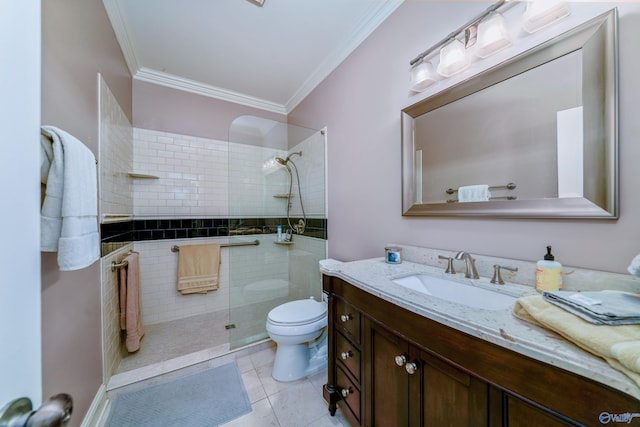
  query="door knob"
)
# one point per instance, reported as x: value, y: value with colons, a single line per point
x: 345, y: 392
x: 54, y: 412
x: 346, y: 354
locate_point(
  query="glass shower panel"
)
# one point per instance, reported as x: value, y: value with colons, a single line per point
x: 260, y: 187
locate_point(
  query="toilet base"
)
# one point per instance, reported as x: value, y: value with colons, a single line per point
x: 295, y: 361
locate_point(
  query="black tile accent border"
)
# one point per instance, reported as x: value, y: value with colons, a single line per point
x: 185, y: 228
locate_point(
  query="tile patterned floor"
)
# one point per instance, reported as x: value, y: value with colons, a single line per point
x: 168, y: 340
x: 294, y: 404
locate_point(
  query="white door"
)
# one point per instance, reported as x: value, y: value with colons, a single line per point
x: 20, y: 348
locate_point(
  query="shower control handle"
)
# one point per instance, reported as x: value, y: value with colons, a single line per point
x: 345, y: 318
x: 346, y: 354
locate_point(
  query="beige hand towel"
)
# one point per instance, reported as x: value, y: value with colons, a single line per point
x: 619, y: 345
x: 198, y: 267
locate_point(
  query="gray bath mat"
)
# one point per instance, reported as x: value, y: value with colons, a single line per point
x: 204, y: 399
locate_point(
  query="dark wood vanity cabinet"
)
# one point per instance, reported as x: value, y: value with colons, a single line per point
x: 391, y: 367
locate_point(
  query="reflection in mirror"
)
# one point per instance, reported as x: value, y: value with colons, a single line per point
x: 539, y: 131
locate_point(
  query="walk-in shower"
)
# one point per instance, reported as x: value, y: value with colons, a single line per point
x: 216, y: 191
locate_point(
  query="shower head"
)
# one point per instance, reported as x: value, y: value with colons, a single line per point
x: 284, y: 161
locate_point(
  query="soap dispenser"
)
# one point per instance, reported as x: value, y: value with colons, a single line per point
x: 548, y: 273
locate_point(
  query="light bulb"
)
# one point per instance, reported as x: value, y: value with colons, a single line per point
x: 493, y: 35
x: 542, y: 13
x: 422, y: 76
x: 453, y: 58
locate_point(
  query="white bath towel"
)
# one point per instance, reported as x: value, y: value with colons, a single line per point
x: 473, y: 193
x: 69, y: 216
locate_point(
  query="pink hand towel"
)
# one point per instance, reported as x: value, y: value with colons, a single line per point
x: 131, y: 303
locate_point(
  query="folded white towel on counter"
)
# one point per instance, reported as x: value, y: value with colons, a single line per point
x: 473, y: 193
x: 599, y: 307
x: 634, y: 267
x: 69, y: 215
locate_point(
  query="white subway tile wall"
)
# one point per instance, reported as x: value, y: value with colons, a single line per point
x: 192, y: 176
x: 115, y: 158
x: 253, y: 186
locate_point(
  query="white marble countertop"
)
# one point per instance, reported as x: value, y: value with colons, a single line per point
x: 499, y: 327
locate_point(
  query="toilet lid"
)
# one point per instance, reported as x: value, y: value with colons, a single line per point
x: 298, y: 312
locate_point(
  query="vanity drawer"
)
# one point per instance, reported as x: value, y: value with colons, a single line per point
x: 348, y: 320
x: 349, y: 392
x: 349, y: 355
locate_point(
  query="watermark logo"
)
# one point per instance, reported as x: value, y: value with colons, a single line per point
x: 626, y: 417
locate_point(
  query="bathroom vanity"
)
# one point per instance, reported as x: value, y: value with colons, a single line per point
x: 400, y: 358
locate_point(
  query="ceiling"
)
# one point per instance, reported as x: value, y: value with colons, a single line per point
x: 268, y: 57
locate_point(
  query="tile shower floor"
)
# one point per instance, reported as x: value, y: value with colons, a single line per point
x: 170, y: 340
x: 294, y: 404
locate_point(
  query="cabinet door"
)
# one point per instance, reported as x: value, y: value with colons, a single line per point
x: 387, y: 383
x: 449, y: 396
x: 521, y: 414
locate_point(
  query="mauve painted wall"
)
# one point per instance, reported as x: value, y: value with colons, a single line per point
x: 77, y: 43
x: 170, y: 110
x: 360, y: 103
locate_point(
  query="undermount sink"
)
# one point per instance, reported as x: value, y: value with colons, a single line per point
x: 457, y: 292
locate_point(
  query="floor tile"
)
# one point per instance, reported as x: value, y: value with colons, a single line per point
x: 297, y: 405
x: 252, y: 384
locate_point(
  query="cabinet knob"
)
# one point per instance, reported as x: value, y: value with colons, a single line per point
x: 411, y: 368
x: 401, y: 360
x: 346, y: 354
x: 345, y: 392
x: 345, y: 318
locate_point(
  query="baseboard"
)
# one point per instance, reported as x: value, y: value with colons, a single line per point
x: 98, y: 411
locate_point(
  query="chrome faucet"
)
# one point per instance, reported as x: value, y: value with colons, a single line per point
x: 471, y: 272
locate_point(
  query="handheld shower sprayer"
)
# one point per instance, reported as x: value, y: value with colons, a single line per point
x: 300, y: 226
x: 284, y: 161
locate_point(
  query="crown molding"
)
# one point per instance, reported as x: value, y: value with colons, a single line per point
x: 378, y: 14
x: 120, y: 30
x: 179, y: 83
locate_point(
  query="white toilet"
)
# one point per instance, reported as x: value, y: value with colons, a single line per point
x: 299, y: 330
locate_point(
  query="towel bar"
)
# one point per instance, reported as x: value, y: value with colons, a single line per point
x: 176, y: 248
x: 509, y: 186
x: 490, y: 198
x: 115, y: 265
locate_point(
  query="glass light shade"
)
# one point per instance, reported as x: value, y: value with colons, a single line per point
x: 422, y: 76
x: 493, y: 35
x: 541, y: 13
x: 453, y: 58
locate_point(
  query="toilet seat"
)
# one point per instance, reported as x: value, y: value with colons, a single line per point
x: 296, y: 313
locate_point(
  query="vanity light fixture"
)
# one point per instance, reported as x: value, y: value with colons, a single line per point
x: 453, y: 58
x: 542, y: 13
x: 257, y: 2
x: 484, y: 35
x: 493, y: 35
x: 422, y: 76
